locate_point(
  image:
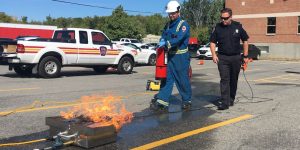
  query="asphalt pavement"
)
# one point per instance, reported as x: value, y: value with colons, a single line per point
x: 269, y: 120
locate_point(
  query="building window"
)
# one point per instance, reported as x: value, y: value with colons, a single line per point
x: 298, y: 24
x: 271, y: 26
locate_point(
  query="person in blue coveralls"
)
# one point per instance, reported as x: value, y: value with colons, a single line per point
x: 175, y: 39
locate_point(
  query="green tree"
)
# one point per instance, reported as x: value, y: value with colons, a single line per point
x: 5, y: 18
x: 89, y: 23
x: 49, y: 21
x: 202, y: 16
x: 24, y: 19
x: 203, y: 35
x: 214, y: 13
x: 155, y: 23
x: 77, y: 22
x: 119, y: 25
x: 194, y: 11
x: 62, y: 22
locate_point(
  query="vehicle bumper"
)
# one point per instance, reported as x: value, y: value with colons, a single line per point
x: 14, y: 60
x: 6, y: 59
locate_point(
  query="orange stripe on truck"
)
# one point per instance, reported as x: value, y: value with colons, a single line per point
x: 71, y: 50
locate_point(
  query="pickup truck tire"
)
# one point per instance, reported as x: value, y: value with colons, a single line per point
x: 125, y: 65
x: 152, y: 60
x: 23, y: 70
x: 49, y: 67
x: 100, y: 69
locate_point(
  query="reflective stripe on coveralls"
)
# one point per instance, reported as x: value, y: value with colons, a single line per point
x: 181, y: 51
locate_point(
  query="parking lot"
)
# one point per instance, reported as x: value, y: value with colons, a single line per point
x: 268, y: 121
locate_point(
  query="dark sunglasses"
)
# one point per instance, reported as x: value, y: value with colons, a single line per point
x: 224, y: 18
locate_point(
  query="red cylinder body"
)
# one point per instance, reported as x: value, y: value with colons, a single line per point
x: 161, y: 64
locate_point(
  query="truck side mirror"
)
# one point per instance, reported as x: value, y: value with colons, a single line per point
x: 110, y: 43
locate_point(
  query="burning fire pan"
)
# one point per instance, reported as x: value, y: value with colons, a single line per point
x: 89, y: 134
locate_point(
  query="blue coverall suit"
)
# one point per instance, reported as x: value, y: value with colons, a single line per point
x: 176, y: 34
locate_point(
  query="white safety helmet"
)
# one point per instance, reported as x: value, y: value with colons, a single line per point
x: 172, y: 6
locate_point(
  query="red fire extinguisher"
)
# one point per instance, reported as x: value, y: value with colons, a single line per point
x: 161, y: 64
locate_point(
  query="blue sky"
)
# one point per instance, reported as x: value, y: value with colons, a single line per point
x: 38, y: 9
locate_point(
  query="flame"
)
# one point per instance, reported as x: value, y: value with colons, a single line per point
x: 103, y: 111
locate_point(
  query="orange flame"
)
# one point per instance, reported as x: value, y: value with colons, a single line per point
x: 103, y: 111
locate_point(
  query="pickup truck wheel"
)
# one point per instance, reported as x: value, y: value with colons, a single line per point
x: 100, y: 69
x: 49, y: 67
x: 23, y: 70
x: 125, y: 65
x: 152, y: 60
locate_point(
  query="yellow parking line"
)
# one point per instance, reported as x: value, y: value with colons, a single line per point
x: 191, y: 133
x: 286, y: 63
x: 200, y: 68
x: 264, y: 80
x: 53, y: 107
x: 275, y: 82
x: 68, y: 104
x: 292, y: 79
x: 281, y: 77
x: 271, y: 77
x: 250, y: 70
x: 22, y: 143
x: 20, y: 89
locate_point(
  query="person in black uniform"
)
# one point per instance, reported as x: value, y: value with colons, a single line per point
x: 227, y: 35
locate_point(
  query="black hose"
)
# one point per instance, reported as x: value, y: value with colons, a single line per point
x: 250, y: 99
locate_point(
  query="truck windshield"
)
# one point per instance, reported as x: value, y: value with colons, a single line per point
x: 64, y: 35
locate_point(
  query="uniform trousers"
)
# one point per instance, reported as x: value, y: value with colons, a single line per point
x: 229, y: 69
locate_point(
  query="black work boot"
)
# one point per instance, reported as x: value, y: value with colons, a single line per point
x: 231, y: 102
x: 223, y: 107
x: 186, y: 105
x: 154, y: 105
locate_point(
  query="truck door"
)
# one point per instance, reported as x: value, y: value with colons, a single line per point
x: 85, y: 49
x: 68, y: 45
x: 105, y: 53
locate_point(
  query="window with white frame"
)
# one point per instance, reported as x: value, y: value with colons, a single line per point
x: 271, y: 25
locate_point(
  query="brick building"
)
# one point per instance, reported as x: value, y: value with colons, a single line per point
x: 273, y: 25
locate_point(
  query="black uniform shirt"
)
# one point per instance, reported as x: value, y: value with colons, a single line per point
x: 228, y: 38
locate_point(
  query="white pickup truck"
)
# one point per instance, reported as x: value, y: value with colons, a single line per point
x: 69, y: 47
